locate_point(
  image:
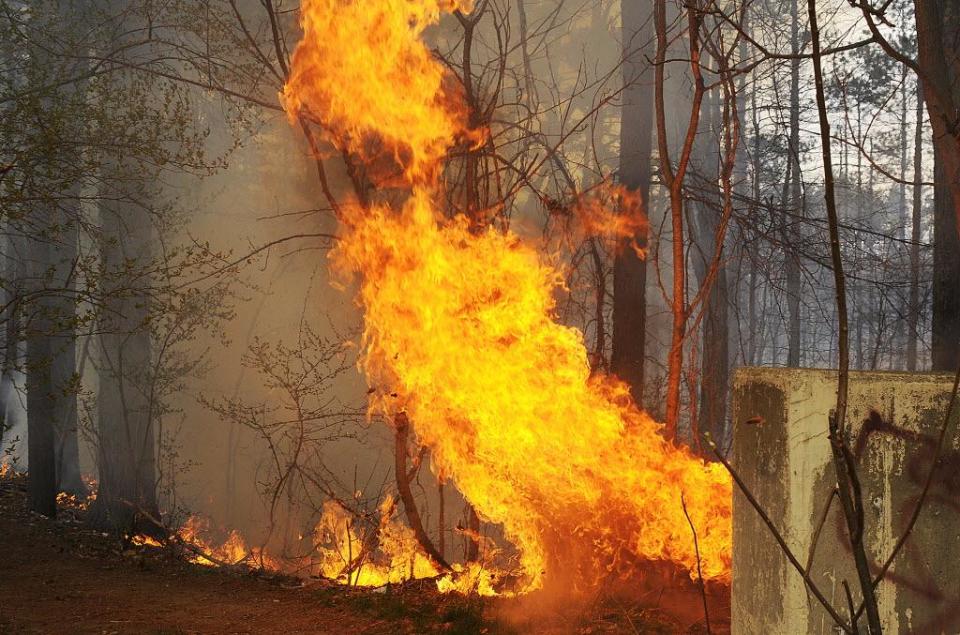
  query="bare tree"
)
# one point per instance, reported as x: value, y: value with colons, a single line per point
x: 629, y: 270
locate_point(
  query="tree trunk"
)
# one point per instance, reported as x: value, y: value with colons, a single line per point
x: 946, y: 273
x: 12, y: 411
x: 938, y: 30
x: 753, y: 357
x: 473, y: 544
x: 50, y: 330
x: 714, y: 358
x: 126, y: 457
x: 64, y: 363
x: 126, y: 411
x: 795, y: 192
x: 41, y: 400
x: 402, y: 426
x: 938, y: 33
x: 50, y: 245
x: 630, y: 271
x: 441, y: 520
x: 673, y: 179
x: 913, y: 310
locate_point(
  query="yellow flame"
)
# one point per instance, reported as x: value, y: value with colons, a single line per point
x: 234, y: 550
x: 366, y: 73
x: 350, y: 558
x: 460, y: 330
x: 141, y: 540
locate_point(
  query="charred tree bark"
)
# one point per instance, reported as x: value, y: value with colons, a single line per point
x: 629, y: 270
x: 473, y: 542
x: 441, y: 521
x: 402, y: 429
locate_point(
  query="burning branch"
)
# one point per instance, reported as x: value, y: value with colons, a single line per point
x: 402, y: 427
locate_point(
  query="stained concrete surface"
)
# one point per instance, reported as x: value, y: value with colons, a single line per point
x: 782, y: 451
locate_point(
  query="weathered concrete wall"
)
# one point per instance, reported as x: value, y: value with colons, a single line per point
x: 782, y: 452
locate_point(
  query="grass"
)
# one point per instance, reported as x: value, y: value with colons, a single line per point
x: 429, y: 612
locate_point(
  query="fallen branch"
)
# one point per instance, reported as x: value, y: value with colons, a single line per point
x: 170, y: 536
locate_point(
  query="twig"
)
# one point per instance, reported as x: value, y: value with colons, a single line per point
x: 250, y: 254
x: 926, y: 488
x: 779, y: 538
x: 853, y: 615
x: 848, y: 484
x: 696, y: 550
x: 174, y: 537
x: 819, y: 529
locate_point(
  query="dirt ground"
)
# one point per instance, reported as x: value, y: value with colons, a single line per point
x: 58, y: 577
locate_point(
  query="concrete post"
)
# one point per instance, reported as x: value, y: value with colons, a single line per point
x: 782, y: 452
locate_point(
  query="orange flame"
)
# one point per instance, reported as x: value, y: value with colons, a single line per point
x: 209, y: 553
x: 365, y: 72
x: 460, y: 330
x: 612, y: 212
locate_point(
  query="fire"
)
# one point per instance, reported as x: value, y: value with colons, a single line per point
x: 612, y: 212
x: 374, y: 84
x: 79, y: 503
x: 460, y: 326
x: 232, y: 551
x: 207, y: 552
x: 351, y: 559
x: 460, y: 332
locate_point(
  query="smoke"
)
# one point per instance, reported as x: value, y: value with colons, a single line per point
x: 269, y: 192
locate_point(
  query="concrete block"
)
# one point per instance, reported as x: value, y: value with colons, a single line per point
x: 782, y: 451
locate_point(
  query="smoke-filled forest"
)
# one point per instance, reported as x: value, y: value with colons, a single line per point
x: 479, y: 316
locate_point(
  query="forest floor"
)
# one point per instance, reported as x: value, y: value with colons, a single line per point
x: 56, y: 576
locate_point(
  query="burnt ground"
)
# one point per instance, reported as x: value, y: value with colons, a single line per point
x: 58, y: 577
